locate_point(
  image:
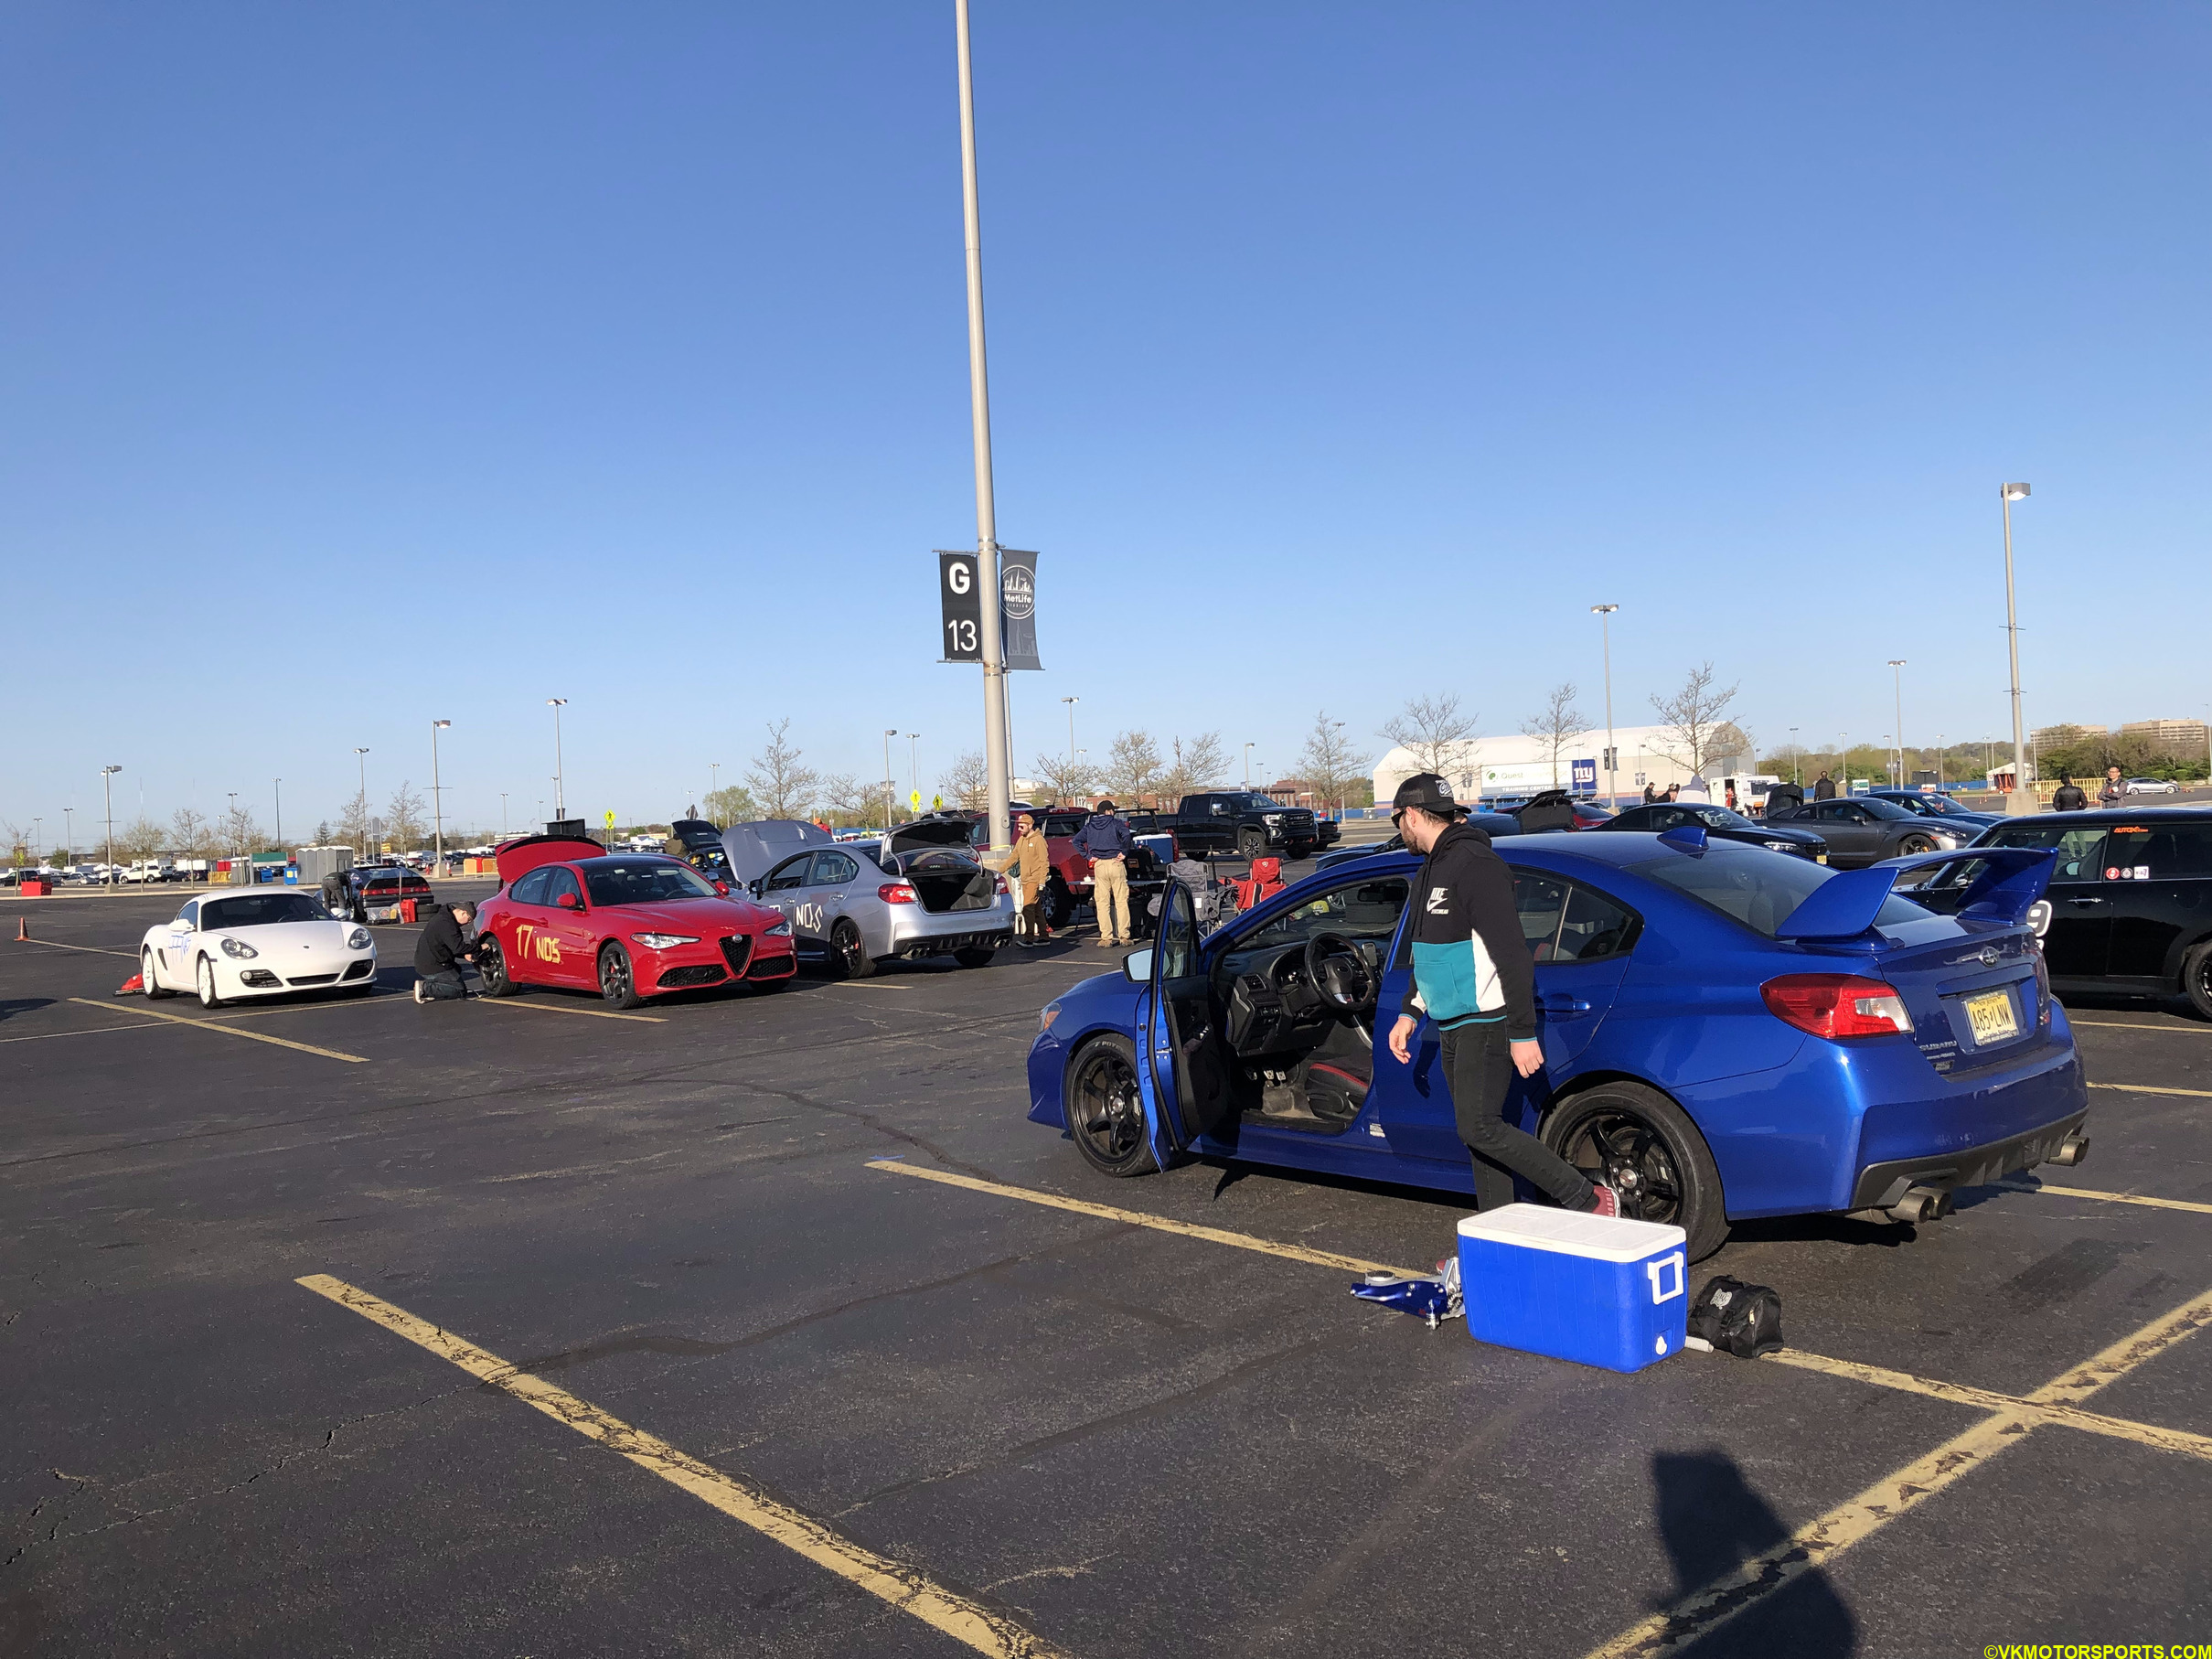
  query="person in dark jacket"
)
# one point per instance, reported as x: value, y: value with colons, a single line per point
x: 1106, y: 840
x: 1473, y: 975
x: 440, y: 952
x: 2115, y: 792
x: 2070, y: 796
x: 1823, y: 788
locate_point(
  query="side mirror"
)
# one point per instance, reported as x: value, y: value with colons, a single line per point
x: 1137, y: 966
x: 569, y: 900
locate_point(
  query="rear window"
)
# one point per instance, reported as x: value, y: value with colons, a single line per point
x: 2156, y: 852
x: 1758, y: 888
x: 2078, y: 847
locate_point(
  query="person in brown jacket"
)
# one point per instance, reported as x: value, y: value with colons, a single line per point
x: 1033, y: 869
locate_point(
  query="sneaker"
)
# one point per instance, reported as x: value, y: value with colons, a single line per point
x: 1609, y: 1201
x: 418, y: 991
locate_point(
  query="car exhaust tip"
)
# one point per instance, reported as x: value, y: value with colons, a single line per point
x: 1923, y: 1203
x: 2073, y: 1150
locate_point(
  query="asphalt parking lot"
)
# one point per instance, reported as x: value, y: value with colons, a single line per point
x: 656, y: 1333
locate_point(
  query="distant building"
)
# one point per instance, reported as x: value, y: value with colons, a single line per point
x: 2187, y: 734
x: 2059, y: 736
x: 1518, y: 766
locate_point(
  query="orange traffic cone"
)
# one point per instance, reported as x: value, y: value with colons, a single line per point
x: 131, y: 987
x: 22, y: 930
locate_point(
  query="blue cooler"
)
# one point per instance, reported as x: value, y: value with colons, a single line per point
x: 1597, y: 1290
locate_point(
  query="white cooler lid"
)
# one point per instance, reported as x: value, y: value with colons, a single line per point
x: 1539, y: 1227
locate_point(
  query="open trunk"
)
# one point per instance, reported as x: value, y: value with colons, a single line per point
x: 948, y: 884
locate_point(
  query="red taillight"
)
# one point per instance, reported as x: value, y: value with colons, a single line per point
x: 895, y: 893
x: 999, y: 884
x: 1837, y: 1005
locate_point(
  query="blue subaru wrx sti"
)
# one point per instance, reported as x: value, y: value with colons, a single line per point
x: 1728, y: 1032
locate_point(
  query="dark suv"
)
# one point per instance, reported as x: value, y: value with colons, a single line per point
x: 2130, y: 901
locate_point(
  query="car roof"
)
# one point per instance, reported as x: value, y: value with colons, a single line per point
x: 2105, y: 817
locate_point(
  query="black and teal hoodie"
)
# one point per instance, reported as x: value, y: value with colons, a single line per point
x: 1470, y: 964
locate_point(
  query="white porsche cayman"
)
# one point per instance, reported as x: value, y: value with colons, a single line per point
x: 259, y: 944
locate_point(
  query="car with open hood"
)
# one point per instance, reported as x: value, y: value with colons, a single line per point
x: 237, y: 946
x: 1727, y: 1031
x: 915, y: 893
x: 629, y: 925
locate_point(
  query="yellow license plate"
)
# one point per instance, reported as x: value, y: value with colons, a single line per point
x: 1991, y: 1015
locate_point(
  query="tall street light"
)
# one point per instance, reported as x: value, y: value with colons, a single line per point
x: 1071, y: 703
x: 280, y: 815
x: 714, y: 779
x: 889, y: 820
x: 359, y: 755
x: 107, y: 783
x: 68, y: 837
x: 235, y: 847
x: 1604, y: 613
x: 913, y: 767
x: 503, y: 815
x: 1248, y: 765
x: 1797, y: 760
x: 988, y: 590
x: 560, y: 797
x: 1897, y: 669
x: 437, y: 808
x: 2021, y: 800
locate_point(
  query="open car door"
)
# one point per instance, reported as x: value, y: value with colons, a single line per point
x: 1180, y: 1078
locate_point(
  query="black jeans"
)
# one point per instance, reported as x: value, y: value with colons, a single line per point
x: 1479, y: 1065
x: 442, y: 987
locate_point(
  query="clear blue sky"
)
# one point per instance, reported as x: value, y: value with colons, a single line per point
x: 359, y: 366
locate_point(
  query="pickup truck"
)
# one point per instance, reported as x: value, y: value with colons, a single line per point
x: 1239, y: 822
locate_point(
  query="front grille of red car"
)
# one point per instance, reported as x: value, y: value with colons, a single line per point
x: 737, y: 950
x: 699, y: 973
x: 774, y: 968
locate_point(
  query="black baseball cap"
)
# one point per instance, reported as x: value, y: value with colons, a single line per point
x: 1428, y: 791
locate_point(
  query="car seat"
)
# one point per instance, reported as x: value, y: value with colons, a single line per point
x: 1336, y: 1077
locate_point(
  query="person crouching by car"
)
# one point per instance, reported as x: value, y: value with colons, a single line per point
x: 1033, y: 869
x: 440, y: 952
x: 1106, y: 840
x: 1473, y: 975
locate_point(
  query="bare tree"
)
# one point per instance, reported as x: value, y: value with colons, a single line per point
x: 780, y: 781
x: 1692, y: 718
x: 403, y: 819
x: 1328, y: 761
x: 1197, y: 765
x: 850, y: 801
x: 1070, y: 779
x: 1132, y: 768
x: 965, y: 783
x: 1557, y: 725
x: 236, y: 832
x: 353, y: 821
x: 190, y: 831
x: 1431, y: 729
x: 141, y: 838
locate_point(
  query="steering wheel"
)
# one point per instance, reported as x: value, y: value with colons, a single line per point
x: 1337, y: 970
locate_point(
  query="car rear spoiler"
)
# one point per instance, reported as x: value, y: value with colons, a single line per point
x: 1844, y: 907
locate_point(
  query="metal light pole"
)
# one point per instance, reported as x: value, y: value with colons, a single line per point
x: 503, y: 815
x: 1604, y: 613
x: 1071, y: 703
x: 437, y: 804
x: 235, y: 847
x: 1248, y: 765
x: 280, y: 815
x: 1897, y: 669
x: 715, y: 778
x: 560, y: 789
x: 914, y: 765
x: 988, y: 590
x: 107, y: 782
x: 2021, y: 800
x: 359, y: 755
x: 889, y: 732
x: 68, y: 837
x: 1797, y: 760
x: 37, y: 835
x: 1939, y: 785
x: 1842, y: 762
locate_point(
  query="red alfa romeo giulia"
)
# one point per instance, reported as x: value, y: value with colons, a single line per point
x: 629, y: 925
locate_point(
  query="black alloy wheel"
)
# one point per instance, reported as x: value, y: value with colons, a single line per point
x: 1250, y: 843
x: 1105, y: 1111
x: 2196, y: 979
x: 491, y: 966
x: 617, y: 979
x: 1059, y: 905
x: 851, y: 950
x: 1639, y: 1143
x: 1298, y: 849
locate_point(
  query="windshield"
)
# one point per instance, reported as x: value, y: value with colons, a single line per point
x: 1256, y: 803
x: 259, y: 909
x: 1720, y: 818
x: 647, y: 881
x: 1758, y: 888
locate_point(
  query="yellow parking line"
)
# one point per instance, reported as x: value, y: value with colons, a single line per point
x: 2155, y: 1203
x: 1814, y: 1546
x: 1240, y: 1241
x: 908, y: 1589
x: 2144, y: 1088
x: 2194, y: 1031
x: 555, y: 1007
x: 2119, y: 1427
x: 228, y: 1031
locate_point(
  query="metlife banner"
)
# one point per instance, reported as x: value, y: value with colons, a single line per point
x: 960, y: 609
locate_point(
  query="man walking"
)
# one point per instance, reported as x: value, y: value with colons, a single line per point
x: 1033, y: 869
x: 1106, y: 840
x: 440, y: 952
x: 2070, y: 795
x: 1824, y: 789
x: 2114, y: 794
x: 1473, y: 975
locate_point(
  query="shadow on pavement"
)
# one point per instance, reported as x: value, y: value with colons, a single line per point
x: 1713, y: 1521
